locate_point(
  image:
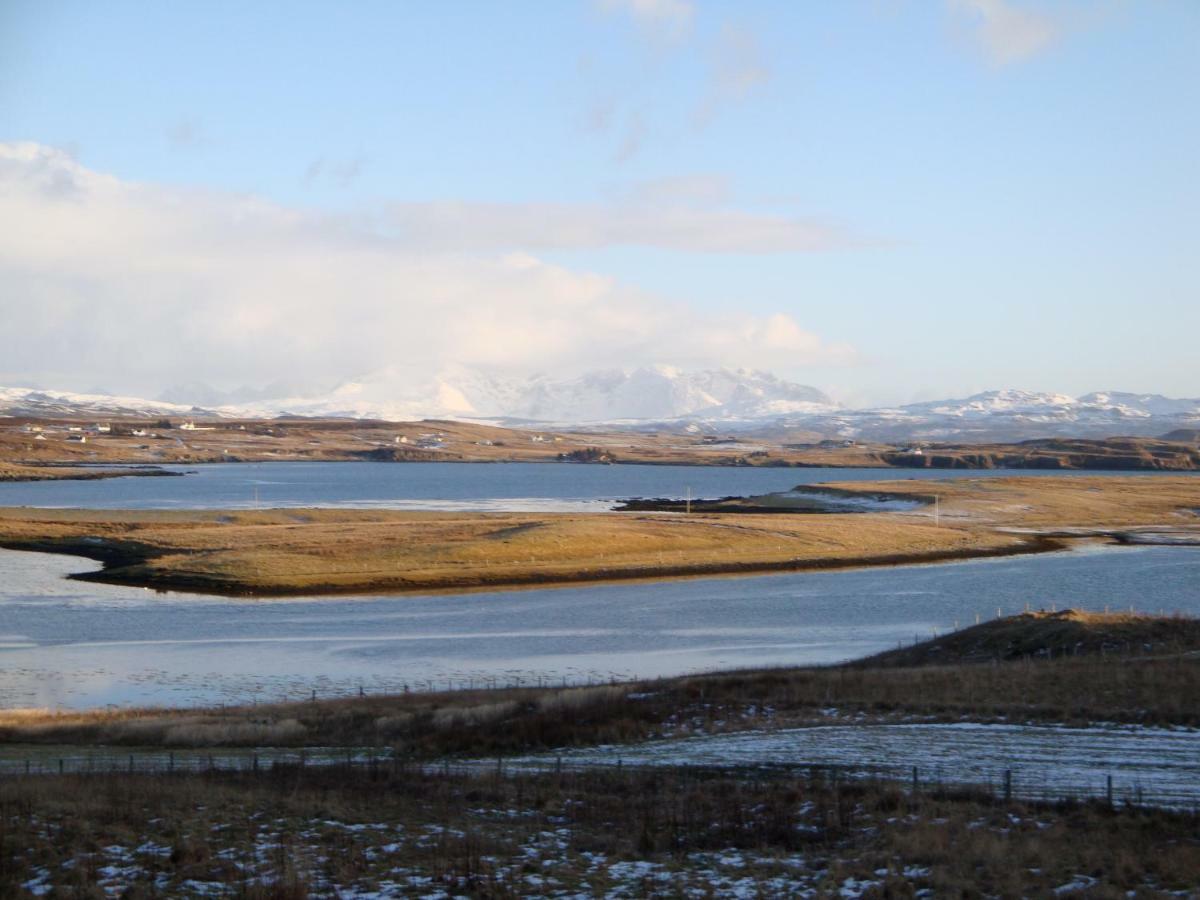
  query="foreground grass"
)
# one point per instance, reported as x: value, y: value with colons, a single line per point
x: 392, y: 832
x: 281, y: 552
x: 1085, y: 668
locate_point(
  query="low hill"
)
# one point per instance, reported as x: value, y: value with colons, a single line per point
x: 1120, y: 453
x: 1044, y: 635
x: 1183, y: 436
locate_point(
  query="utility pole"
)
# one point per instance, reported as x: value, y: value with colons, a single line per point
x: 937, y: 511
x: 689, y: 499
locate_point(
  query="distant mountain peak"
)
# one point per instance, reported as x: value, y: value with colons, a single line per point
x: 660, y: 395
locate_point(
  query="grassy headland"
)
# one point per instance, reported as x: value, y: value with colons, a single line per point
x: 314, y: 551
x: 52, y: 472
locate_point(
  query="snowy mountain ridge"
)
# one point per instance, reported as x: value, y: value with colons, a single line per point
x: 663, y: 396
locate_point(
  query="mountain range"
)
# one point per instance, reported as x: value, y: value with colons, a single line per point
x: 660, y: 397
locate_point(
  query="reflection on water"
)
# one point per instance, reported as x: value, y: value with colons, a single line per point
x: 70, y: 644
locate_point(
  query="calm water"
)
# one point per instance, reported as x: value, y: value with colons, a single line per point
x: 71, y: 644
x: 499, y: 486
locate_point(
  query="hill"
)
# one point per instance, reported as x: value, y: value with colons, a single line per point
x: 1046, y: 635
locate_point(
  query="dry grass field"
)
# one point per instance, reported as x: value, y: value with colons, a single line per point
x: 297, y: 833
x: 281, y: 552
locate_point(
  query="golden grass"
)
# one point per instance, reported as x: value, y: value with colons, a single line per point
x: 319, y: 550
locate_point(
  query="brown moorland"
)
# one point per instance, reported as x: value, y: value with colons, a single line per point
x: 293, y: 833
x: 37, y: 442
x: 314, y: 551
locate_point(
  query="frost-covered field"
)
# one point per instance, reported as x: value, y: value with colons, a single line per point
x: 1157, y: 766
x: 590, y: 833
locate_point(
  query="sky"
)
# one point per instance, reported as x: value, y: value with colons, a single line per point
x: 892, y: 200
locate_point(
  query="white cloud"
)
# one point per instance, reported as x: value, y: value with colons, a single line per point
x: 1006, y: 32
x: 655, y: 220
x: 137, y: 286
x: 670, y: 19
x: 737, y: 68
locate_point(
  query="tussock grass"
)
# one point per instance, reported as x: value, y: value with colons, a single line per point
x: 308, y: 832
x: 450, y: 717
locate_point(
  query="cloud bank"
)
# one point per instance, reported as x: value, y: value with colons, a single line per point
x: 132, y: 287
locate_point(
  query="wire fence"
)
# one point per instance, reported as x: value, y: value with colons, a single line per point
x: 1010, y: 784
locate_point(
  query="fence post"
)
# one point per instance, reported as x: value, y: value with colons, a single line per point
x: 916, y: 782
x: 1109, y: 791
x: 1007, y: 785
x: 255, y: 762
x: 130, y: 763
x: 171, y: 761
x: 60, y: 766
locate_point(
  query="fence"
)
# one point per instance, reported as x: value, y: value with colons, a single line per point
x: 1006, y: 784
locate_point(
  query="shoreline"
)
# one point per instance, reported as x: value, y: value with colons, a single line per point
x: 693, y: 462
x: 67, y: 471
x: 113, y: 558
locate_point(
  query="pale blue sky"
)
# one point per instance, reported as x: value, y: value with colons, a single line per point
x: 972, y: 194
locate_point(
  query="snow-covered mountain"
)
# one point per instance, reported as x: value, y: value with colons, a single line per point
x: 661, y: 396
x: 658, y: 393
x: 1010, y: 415
x: 50, y: 404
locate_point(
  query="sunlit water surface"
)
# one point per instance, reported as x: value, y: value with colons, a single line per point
x: 72, y: 644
